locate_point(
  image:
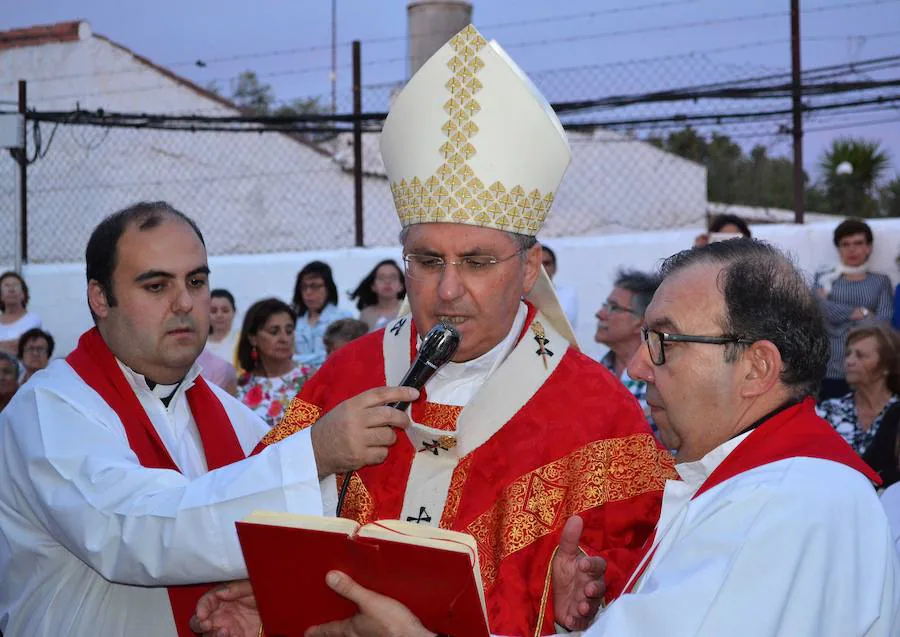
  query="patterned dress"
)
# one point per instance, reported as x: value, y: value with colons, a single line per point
x: 841, y: 414
x: 269, y: 397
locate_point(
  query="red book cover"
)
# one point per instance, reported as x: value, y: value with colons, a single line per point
x: 288, y: 564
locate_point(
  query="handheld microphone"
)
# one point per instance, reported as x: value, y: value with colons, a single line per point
x: 436, y: 350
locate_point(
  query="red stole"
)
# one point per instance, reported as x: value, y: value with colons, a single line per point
x: 95, y: 364
x: 796, y: 432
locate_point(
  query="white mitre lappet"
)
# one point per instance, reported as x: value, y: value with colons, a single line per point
x: 471, y: 140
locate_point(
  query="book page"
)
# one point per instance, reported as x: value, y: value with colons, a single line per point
x: 299, y: 521
x: 410, y: 533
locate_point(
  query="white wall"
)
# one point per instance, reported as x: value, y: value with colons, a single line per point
x: 587, y: 263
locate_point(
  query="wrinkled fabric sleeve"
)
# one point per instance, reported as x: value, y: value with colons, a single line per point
x: 78, y: 478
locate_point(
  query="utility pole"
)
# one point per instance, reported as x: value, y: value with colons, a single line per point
x: 333, y: 57
x: 797, y: 107
x: 23, y: 183
x: 357, y: 144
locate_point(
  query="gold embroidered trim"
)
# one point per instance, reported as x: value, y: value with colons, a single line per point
x: 545, y: 596
x: 538, y: 503
x: 457, y: 482
x: 358, y: 504
x: 299, y: 415
x: 454, y: 193
x: 441, y: 417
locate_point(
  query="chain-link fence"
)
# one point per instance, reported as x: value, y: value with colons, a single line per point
x: 258, y: 184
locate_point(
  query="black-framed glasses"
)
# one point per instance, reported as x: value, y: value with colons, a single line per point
x: 424, y: 266
x: 656, y: 341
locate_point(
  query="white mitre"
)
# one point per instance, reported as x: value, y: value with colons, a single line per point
x: 471, y: 140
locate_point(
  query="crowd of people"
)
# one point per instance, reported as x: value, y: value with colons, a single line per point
x: 701, y: 480
x: 263, y: 359
x: 266, y: 358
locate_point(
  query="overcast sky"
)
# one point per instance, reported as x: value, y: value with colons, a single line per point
x: 288, y: 44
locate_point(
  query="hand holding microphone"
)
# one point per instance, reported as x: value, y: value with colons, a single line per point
x: 359, y: 431
x: 437, y: 349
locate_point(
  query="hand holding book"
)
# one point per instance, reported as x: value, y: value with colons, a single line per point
x: 577, y: 582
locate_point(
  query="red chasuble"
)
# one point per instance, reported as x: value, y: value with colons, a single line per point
x: 95, y: 364
x: 579, y: 445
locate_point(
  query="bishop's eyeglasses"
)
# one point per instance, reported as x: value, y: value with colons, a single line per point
x: 424, y: 266
x: 656, y: 341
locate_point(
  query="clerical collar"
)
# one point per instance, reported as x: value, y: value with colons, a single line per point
x: 490, y: 360
x: 165, y: 393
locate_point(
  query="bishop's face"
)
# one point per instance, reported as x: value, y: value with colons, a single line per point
x: 480, y: 302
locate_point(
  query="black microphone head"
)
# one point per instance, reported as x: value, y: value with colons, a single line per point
x: 439, y: 344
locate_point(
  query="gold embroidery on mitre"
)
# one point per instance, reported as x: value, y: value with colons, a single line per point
x: 299, y: 415
x: 358, y: 504
x: 537, y: 503
x: 439, y: 197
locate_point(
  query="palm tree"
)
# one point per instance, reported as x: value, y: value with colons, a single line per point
x: 852, y: 169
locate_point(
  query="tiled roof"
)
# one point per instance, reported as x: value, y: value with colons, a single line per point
x: 44, y: 34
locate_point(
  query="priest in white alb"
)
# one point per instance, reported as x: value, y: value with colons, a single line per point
x: 122, y: 471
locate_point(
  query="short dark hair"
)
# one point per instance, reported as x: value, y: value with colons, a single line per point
x: 102, y: 249
x: 319, y: 269
x: 850, y: 227
x: 9, y: 358
x: 720, y: 221
x: 15, y: 275
x: 221, y: 293
x: 254, y: 319
x: 642, y: 286
x: 549, y: 251
x: 346, y: 330
x: 365, y: 296
x: 32, y: 335
x: 766, y: 298
x: 888, y: 349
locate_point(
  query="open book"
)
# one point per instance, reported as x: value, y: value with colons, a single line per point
x: 433, y: 572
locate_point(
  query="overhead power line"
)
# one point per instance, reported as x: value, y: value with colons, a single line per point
x: 204, y: 62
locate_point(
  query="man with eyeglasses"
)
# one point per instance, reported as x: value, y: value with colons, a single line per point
x: 619, y: 322
x: 774, y: 529
x: 520, y: 431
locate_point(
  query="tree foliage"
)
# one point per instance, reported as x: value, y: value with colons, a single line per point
x: 852, y: 170
x: 734, y: 177
x: 758, y: 179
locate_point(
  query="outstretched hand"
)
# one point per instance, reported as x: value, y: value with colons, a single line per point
x: 227, y: 611
x: 578, y: 585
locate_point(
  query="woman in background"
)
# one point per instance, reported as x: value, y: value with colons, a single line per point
x: 15, y: 319
x: 850, y: 295
x: 867, y: 417
x: 35, y: 349
x: 378, y: 296
x: 315, y: 304
x: 223, y: 337
x: 271, y: 377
